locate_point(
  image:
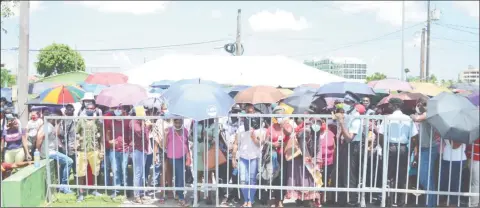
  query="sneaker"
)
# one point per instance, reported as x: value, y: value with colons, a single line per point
x: 96, y: 193
x: 80, y: 198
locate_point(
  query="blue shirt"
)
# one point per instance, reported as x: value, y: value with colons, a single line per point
x: 400, y: 128
x: 354, y: 126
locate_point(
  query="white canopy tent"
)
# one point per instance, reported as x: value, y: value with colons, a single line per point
x: 242, y: 70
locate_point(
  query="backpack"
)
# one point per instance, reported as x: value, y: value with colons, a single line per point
x: 269, y: 168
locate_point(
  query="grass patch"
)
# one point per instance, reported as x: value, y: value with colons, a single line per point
x: 70, y: 200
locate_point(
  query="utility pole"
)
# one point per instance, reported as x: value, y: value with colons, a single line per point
x: 23, y: 48
x: 427, y: 64
x: 403, y: 44
x: 238, y: 44
x: 422, y: 55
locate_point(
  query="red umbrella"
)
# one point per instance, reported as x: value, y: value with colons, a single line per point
x: 106, y: 78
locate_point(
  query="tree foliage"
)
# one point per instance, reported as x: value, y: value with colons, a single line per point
x: 7, y: 11
x: 6, y: 78
x: 376, y: 76
x: 432, y: 79
x: 58, y: 59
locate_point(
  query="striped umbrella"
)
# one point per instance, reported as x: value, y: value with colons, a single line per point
x: 62, y: 94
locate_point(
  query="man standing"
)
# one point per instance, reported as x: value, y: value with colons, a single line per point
x: 67, y: 134
x: 350, y: 131
x: 427, y: 147
x: 400, y: 130
x: 367, y: 104
x: 47, y: 144
x: 90, y: 147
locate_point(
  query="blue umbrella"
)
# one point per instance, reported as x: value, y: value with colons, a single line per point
x: 454, y: 117
x: 239, y: 88
x: 335, y: 89
x: 163, y: 84
x: 199, y: 101
x: 183, y: 82
x: 7, y: 93
x: 157, y: 90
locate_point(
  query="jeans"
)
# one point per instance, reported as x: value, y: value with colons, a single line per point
x: 65, y: 164
x: 451, y: 176
x: 248, y: 176
x: 178, y: 168
x: 426, y: 173
x: 474, y: 183
x: 107, y: 166
x: 139, y: 158
x: 119, y: 161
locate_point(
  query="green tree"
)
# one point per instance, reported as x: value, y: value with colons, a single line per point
x: 6, y: 11
x: 376, y: 76
x: 58, y: 59
x: 7, y: 79
x: 432, y: 79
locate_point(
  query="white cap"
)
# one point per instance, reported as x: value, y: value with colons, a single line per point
x: 88, y: 96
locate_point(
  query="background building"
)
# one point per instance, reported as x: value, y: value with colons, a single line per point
x: 471, y: 75
x: 349, y: 68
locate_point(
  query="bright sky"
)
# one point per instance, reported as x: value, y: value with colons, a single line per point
x: 301, y: 30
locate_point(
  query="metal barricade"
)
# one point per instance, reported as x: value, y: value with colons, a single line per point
x: 368, y: 164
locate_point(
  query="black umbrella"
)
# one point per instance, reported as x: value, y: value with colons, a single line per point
x: 300, y: 102
x: 454, y: 117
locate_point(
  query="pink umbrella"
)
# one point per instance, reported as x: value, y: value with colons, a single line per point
x: 391, y: 85
x: 372, y: 83
x: 107, y: 78
x: 123, y: 94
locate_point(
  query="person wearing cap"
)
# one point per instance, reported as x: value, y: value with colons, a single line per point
x: 14, y: 143
x: 48, y: 144
x: 350, y: 132
x: 88, y: 98
x: 90, y: 148
x: 401, y: 131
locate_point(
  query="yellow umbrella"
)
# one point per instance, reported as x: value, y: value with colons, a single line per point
x: 288, y: 109
x: 428, y: 88
x: 286, y: 92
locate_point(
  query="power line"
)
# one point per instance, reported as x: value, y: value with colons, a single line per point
x: 130, y: 49
x: 452, y: 28
x: 360, y: 42
x: 453, y: 25
x: 472, y: 41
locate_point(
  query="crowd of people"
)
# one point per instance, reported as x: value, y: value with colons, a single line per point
x: 323, y: 151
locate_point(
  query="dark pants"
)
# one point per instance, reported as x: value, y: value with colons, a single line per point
x: 450, y: 180
x: 281, y: 180
x: 232, y: 192
x: 397, y: 172
x: 348, y: 171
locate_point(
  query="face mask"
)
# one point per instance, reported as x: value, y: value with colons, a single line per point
x: 339, y: 105
x: 347, y: 108
x: 323, y: 127
x: 90, y: 112
x: 9, y: 116
x: 315, y: 128
x: 117, y: 112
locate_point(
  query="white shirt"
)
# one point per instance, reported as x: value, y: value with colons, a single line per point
x: 247, y: 149
x: 354, y: 126
x: 400, y: 128
x: 450, y: 154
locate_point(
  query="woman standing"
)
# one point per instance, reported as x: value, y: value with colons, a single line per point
x: 178, y: 154
x: 453, y: 160
x: 16, y: 145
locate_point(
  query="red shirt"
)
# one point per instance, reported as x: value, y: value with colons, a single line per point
x: 273, y: 133
x: 140, y: 141
x: 121, y: 133
x: 476, y: 150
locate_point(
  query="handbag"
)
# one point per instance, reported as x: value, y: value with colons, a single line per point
x: 211, y: 155
x: 292, y: 149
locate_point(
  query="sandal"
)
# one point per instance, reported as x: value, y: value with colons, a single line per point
x: 182, y: 203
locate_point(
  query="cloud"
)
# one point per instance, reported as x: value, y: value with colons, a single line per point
x: 470, y: 7
x: 388, y: 12
x: 280, y: 20
x: 132, y: 7
x: 216, y: 14
x: 15, y: 8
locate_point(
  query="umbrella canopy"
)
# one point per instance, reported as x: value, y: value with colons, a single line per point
x: 157, y: 90
x: 233, y: 91
x: 93, y: 88
x: 454, y: 117
x: 391, y: 85
x: 163, y: 84
x: 259, y: 94
x: 286, y: 92
x: 300, y: 102
x: 409, y: 98
x: 304, y: 88
x: 7, y: 93
x: 107, y: 78
x: 199, y: 102
x: 465, y: 86
x: 428, y: 88
x: 63, y: 94
x: 122, y: 94
x: 474, y: 98
x: 193, y: 81
x: 152, y: 102
x: 340, y: 88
